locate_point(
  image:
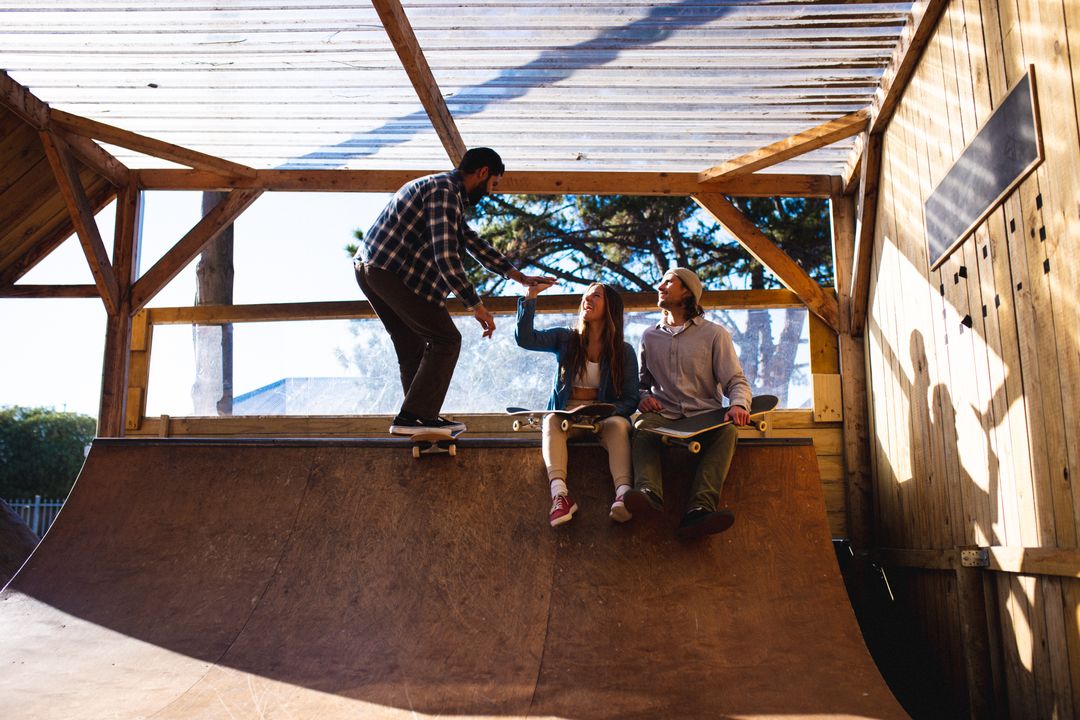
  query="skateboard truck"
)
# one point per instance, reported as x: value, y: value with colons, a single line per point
x: 434, y: 443
x: 584, y: 417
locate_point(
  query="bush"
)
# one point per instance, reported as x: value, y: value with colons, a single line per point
x: 41, y: 450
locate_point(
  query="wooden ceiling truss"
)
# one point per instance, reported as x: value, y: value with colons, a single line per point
x: 68, y: 142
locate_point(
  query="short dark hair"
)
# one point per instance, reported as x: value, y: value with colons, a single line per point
x: 476, y: 158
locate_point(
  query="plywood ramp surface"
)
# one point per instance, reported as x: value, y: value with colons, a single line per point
x: 338, y: 579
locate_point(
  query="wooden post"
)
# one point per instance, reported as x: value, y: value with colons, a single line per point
x: 975, y: 641
x: 858, y: 480
x: 114, y: 380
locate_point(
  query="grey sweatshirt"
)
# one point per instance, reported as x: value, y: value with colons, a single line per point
x: 690, y: 369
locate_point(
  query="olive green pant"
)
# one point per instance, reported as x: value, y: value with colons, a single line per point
x: 714, y: 460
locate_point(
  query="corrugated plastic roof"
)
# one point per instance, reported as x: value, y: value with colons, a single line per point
x: 557, y: 86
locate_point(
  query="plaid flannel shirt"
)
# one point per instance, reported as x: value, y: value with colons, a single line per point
x: 420, y: 234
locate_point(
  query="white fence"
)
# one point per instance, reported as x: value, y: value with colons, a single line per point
x: 37, y: 512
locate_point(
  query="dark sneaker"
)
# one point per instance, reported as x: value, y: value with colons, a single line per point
x: 699, y: 522
x: 444, y: 423
x: 643, y: 501
x: 562, y: 509
x: 406, y: 424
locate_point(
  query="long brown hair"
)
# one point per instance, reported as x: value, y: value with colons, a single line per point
x: 611, y: 342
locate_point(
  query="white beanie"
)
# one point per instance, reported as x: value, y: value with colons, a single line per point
x: 689, y: 279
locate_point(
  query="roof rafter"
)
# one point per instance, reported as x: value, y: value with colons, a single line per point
x: 799, y: 144
x: 82, y: 217
x: 866, y: 155
x: 399, y: 30
x: 768, y: 254
x: 916, y: 34
x: 177, y: 258
x: 22, y: 102
x: 96, y: 158
x: 141, y: 143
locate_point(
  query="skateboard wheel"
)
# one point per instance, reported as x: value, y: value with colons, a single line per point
x: 452, y: 450
x: 762, y: 426
x: 517, y: 425
x: 694, y: 446
x: 416, y: 451
x: 565, y: 425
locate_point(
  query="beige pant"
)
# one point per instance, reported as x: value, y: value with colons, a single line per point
x: 614, y: 436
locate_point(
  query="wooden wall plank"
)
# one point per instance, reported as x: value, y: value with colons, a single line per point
x: 997, y: 438
x: 972, y: 432
x: 20, y: 151
x: 1043, y: 26
x: 1034, y: 306
x: 999, y: 322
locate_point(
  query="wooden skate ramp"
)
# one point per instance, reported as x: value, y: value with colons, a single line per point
x: 344, y: 579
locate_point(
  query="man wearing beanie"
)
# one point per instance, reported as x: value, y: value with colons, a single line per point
x: 688, y: 365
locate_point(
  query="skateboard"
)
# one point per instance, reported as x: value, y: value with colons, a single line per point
x: 434, y: 442
x: 683, y: 430
x: 580, y: 416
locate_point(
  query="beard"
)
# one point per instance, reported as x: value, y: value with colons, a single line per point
x: 476, y: 194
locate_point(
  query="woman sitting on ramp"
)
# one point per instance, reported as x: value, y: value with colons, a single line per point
x: 595, y: 364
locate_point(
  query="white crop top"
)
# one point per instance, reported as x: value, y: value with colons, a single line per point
x: 589, y: 377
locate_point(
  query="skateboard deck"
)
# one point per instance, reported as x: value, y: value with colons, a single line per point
x: 434, y: 442
x: 580, y: 416
x: 683, y: 430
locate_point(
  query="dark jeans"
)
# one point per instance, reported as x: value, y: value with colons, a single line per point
x: 425, y: 339
x: 717, y: 449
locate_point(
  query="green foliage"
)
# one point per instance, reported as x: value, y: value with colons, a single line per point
x: 41, y: 450
x: 631, y: 240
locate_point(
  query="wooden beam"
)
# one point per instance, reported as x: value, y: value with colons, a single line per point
x: 19, y: 100
x: 82, y: 217
x: 853, y: 167
x: 177, y: 258
x: 858, y: 478
x: 798, y: 144
x: 768, y: 254
x: 352, y: 309
x: 1057, y: 562
x: 909, y: 49
x: 46, y: 226
x: 49, y: 291
x: 401, y: 34
x: 353, y: 426
x: 905, y: 58
x: 140, y: 143
x: 1060, y: 562
x: 112, y: 407
x: 864, y: 243
x: 97, y: 158
x: 514, y: 182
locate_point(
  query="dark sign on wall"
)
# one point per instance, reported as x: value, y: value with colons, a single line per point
x: 1005, y: 150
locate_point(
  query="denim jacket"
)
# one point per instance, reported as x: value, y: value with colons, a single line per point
x: 557, y: 340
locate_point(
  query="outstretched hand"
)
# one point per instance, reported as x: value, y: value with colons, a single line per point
x: 539, y: 287
x: 535, y: 283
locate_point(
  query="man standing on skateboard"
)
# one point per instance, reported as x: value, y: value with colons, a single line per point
x: 407, y: 265
x: 688, y: 364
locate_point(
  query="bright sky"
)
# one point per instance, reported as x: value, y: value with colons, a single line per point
x: 288, y: 247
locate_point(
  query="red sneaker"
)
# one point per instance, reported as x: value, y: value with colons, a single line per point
x: 562, y: 509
